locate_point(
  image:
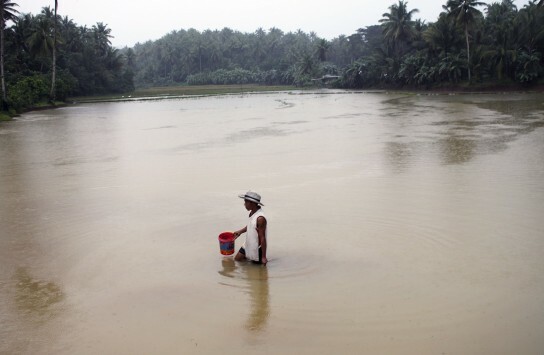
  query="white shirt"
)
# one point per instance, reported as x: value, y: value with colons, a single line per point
x: 251, y: 244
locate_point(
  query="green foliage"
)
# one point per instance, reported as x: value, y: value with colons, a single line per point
x: 450, y: 68
x: 504, y: 44
x: 468, y: 37
x: 529, y: 67
x: 240, y: 76
x: 86, y: 63
x: 223, y: 77
x: 410, y: 68
x: 27, y: 91
x: 493, y: 43
x: 398, y: 27
x: 65, y: 84
x: 363, y: 73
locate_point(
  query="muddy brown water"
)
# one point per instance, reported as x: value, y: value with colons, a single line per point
x: 399, y: 224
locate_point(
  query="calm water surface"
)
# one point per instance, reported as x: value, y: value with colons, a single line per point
x: 399, y: 224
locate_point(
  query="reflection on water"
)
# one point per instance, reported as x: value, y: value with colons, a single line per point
x: 456, y: 150
x: 36, y: 297
x: 257, y: 276
x: 462, y: 127
x: 229, y: 268
x: 399, y: 154
x: 254, y: 280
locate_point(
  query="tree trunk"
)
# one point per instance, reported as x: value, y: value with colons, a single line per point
x: 54, y: 66
x: 4, y: 96
x: 200, y: 58
x: 468, y: 52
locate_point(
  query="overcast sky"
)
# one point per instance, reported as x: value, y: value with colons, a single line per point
x: 138, y: 20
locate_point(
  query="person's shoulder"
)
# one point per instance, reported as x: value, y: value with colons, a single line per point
x: 261, y: 219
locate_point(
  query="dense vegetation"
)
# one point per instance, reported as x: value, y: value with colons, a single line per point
x: 85, y: 61
x: 469, y: 42
x: 48, y: 57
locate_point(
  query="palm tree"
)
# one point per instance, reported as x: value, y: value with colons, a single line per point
x: 465, y: 13
x: 418, y: 41
x: 54, y: 65
x: 260, y: 51
x: 7, y: 13
x: 306, y: 64
x: 22, y: 28
x: 451, y: 66
x: 322, y: 48
x: 500, y: 25
x: 113, y: 59
x: 101, y: 34
x: 70, y: 34
x: 273, y: 44
x: 441, y: 36
x: 398, y: 27
x: 40, y: 42
x: 531, y: 30
x: 131, y: 58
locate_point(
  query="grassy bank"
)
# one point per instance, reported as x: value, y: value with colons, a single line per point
x: 181, y: 91
x: 464, y: 87
x: 43, y: 105
x: 4, y: 117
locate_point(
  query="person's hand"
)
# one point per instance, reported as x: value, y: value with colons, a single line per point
x: 264, y: 260
x: 236, y: 234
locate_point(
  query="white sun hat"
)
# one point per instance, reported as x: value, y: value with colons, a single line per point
x: 253, y: 197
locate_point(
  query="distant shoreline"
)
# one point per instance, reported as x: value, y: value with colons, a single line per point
x: 176, y: 92
x: 194, y: 91
x: 181, y: 91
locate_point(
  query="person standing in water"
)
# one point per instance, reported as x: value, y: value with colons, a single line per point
x: 254, y: 248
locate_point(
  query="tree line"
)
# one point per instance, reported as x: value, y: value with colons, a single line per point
x: 47, y: 57
x: 469, y: 42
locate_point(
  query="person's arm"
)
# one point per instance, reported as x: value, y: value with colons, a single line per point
x: 238, y: 232
x: 261, y: 232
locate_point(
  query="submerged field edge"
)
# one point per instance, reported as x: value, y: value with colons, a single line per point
x: 180, y: 92
x: 297, y: 91
x: 185, y: 92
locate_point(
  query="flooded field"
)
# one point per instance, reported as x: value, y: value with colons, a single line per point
x: 399, y: 224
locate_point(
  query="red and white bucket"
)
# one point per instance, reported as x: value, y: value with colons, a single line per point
x: 226, y: 243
